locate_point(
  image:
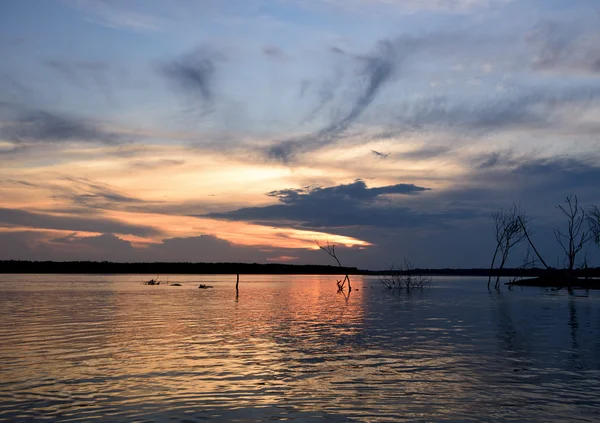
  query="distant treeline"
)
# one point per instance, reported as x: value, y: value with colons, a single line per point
x: 532, y: 272
x: 20, y: 266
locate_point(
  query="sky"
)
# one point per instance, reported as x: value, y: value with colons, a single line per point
x: 208, y: 130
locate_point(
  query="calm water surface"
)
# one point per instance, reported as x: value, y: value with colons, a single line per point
x: 86, y: 347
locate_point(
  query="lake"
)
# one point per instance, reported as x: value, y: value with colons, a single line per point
x: 79, y: 348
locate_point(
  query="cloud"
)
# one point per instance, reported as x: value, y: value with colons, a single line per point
x: 561, y: 174
x: 275, y: 53
x: 565, y: 47
x: 426, y: 152
x: 107, y: 247
x: 115, y: 15
x: 339, y: 206
x: 40, y: 245
x: 494, y: 159
x: 96, y: 195
x: 73, y: 70
x: 47, y: 127
x: 375, y: 70
x: 413, y: 6
x: 453, y: 6
x: 81, y: 195
x: 195, y: 73
x: 82, y: 73
x: 21, y: 218
x: 157, y: 164
x: 517, y: 109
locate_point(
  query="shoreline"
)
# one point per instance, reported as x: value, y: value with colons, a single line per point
x: 232, y: 268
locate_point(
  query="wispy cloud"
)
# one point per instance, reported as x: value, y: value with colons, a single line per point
x: 21, y: 218
x: 375, y: 70
x: 411, y: 6
x: 116, y: 15
x: 565, y: 47
x: 524, y: 109
x: 275, y: 53
x: 50, y: 127
x: 195, y: 74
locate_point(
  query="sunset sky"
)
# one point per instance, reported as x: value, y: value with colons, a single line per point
x: 244, y: 130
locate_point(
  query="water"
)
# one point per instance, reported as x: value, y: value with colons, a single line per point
x: 79, y: 348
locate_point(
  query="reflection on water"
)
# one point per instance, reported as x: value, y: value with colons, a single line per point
x: 77, y: 348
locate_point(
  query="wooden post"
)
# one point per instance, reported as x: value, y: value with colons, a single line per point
x: 237, y: 282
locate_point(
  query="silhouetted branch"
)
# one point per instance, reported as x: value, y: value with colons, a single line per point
x: 330, y: 249
x: 509, y: 232
x: 576, y: 237
x: 404, y: 277
x: 594, y: 224
x: 526, y: 233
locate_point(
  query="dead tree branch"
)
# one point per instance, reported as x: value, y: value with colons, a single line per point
x: 404, y: 277
x: 576, y: 237
x: 594, y: 224
x: 526, y: 233
x: 330, y: 249
x: 509, y: 233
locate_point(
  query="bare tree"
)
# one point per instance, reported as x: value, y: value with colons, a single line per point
x: 330, y: 249
x: 577, y: 236
x: 404, y: 277
x: 509, y: 232
x: 594, y: 224
x: 531, y: 244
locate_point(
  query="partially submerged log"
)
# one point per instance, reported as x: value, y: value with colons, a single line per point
x: 202, y: 286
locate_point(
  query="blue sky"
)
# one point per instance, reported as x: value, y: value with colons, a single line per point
x: 245, y: 130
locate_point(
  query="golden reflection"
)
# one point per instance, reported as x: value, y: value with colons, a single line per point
x: 220, y: 344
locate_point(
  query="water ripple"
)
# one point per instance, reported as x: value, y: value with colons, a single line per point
x: 78, y: 348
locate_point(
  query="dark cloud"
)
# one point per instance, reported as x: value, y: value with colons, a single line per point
x: 18, y: 182
x: 24, y: 245
x: 561, y: 174
x: 565, y: 47
x: 494, y: 159
x: 275, y: 53
x: 377, y: 69
x: 22, y: 218
x: 334, y: 207
x: 39, y: 245
x: 501, y: 178
x: 195, y: 73
x: 426, y: 152
x: 47, y: 127
x: 356, y: 191
x: 102, y: 247
x: 95, y: 190
x: 525, y: 109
